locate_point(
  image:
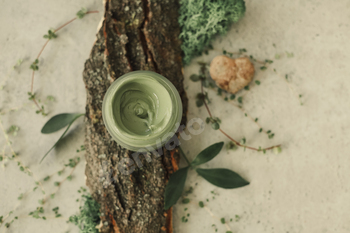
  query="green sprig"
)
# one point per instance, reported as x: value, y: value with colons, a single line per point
x: 13, y: 130
x: 50, y: 35
x: 81, y: 13
x: 214, y: 121
x: 223, y: 178
x: 34, y: 66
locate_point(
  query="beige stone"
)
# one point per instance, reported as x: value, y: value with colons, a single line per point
x: 231, y: 74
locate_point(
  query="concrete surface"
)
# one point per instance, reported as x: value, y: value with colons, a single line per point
x: 303, y: 189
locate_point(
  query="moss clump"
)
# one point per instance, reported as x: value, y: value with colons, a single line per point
x: 89, y: 216
x: 201, y: 20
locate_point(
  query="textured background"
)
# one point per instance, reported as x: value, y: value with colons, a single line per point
x: 303, y: 189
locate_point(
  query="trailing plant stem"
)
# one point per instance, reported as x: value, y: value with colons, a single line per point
x: 41, y: 51
x: 229, y: 137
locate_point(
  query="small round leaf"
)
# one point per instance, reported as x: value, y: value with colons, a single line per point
x: 199, y: 103
x: 215, y: 125
x: 195, y: 77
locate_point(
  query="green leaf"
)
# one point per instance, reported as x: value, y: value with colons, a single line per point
x: 174, y: 187
x: 34, y: 66
x: 59, y: 122
x: 215, y: 125
x: 205, y: 83
x: 195, y: 77
x: 186, y: 201
x: 277, y: 150
x: 208, y: 154
x: 199, y: 103
x: 82, y: 13
x: 207, y: 120
x: 201, y: 204
x: 222, y: 178
x: 64, y: 133
x: 231, y: 146
x: 219, y: 91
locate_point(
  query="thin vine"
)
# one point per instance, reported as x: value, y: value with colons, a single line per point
x: 5, y: 220
x: 35, y: 65
x: 203, y: 99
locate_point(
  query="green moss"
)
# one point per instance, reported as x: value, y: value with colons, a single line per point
x: 89, y: 216
x: 201, y: 20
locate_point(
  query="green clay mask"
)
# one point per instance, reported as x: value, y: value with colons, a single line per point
x: 141, y: 109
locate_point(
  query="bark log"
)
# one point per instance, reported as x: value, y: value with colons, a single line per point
x: 135, y: 35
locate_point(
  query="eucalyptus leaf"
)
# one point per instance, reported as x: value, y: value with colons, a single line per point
x: 207, y: 154
x: 59, y: 122
x: 64, y: 133
x: 223, y: 178
x: 174, y: 187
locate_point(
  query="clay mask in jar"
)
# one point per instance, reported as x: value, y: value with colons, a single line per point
x: 141, y: 110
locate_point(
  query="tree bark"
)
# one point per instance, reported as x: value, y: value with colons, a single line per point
x: 135, y: 35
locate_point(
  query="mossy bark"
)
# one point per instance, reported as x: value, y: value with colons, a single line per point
x: 135, y: 35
